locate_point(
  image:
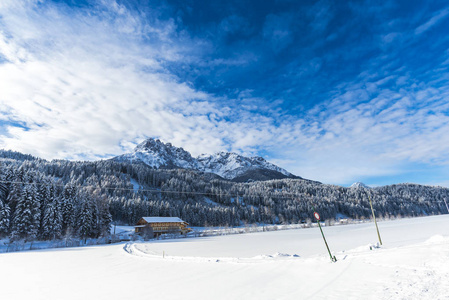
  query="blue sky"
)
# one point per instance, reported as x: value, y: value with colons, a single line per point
x: 335, y: 91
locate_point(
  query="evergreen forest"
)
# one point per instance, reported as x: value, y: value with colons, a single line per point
x: 49, y: 200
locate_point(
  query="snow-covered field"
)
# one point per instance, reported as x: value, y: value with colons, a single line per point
x: 413, y: 263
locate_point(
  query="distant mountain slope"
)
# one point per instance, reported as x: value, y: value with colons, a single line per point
x: 8, y: 154
x: 228, y: 165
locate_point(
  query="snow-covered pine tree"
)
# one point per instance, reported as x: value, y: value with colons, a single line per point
x: 46, y: 191
x: 5, y: 183
x: 52, y: 221
x: 95, y: 232
x: 105, y: 220
x: 85, y: 220
x: 26, y: 218
x: 67, y: 207
x: 14, y: 195
x: 4, y: 218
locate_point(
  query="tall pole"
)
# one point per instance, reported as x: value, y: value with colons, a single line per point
x: 374, y: 217
x: 317, y: 217
x: 327, y: 246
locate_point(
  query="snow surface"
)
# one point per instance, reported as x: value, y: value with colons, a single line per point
x: 122, y: 229
x: 209, y: 201
x: 413, y: 263
x: 136, y: 185
x: 162, y: 219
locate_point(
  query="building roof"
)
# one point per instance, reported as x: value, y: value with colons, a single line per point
x: 163, y: 219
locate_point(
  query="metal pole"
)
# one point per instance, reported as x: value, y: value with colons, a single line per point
x: 327, y: 246
x: 374, y: 217
x: 333, y: 258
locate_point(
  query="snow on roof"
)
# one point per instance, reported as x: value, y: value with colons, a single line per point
x: 162, y: 219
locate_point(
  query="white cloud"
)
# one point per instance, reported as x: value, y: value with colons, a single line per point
x: 377, y: 137
x: 277, y: 31
x: 84, y: 86
x: 87, y: 86
x: 437, y: 17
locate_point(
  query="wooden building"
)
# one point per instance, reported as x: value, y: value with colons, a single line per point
x: 155, y: 226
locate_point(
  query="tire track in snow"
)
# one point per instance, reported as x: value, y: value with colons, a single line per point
x: 132, y: 248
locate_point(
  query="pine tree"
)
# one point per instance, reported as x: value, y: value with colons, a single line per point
x: 105, y: 221
x: 52, y: 221
x: 14, y: 195
x: 25, y: 223
x: 85, y: 220
x: 67, y: 208
x: 5, y: 183
x: 4, y: 218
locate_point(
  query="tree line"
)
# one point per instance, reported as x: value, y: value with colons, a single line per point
x: 42, y: 199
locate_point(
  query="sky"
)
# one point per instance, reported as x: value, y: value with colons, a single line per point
x: 334, y: 91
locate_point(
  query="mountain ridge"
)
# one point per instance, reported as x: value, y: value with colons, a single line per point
x: 228, y: 165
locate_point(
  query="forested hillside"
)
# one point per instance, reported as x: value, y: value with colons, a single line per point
x: 47, y: 200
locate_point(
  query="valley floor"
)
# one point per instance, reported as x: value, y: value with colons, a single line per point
x: 413, y: 263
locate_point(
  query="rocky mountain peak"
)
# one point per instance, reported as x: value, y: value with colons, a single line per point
x: 228, y: 165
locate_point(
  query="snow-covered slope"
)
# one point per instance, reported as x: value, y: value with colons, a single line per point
x: 225, y: 164
x: 293, y: 264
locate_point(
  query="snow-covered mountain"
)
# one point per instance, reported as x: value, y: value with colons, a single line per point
x: 228, y: 165
x: 231, y: 165
x: 157, y: 154
x: 358, y: 184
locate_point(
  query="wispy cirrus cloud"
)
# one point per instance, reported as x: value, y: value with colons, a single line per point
x: 328, y: 99
x: 383, y: 132
x: 83, y: 85
x: 437, y: 17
